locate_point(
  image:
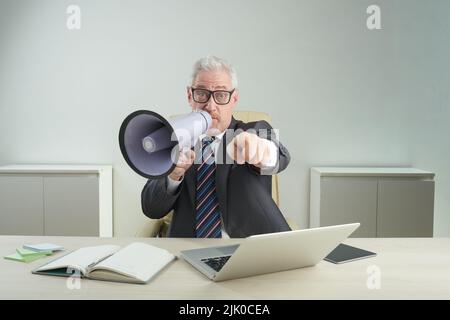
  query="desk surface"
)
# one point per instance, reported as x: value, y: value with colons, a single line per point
x: 410, y: 268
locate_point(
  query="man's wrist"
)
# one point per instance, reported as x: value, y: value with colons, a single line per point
x: 172, y: 185
x: 175, y: 178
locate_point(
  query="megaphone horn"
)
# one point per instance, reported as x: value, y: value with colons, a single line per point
x: 150, y: 144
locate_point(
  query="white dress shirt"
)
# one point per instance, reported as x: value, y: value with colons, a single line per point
x: 172, y: 185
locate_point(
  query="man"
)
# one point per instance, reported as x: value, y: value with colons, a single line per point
x: 216, y: 197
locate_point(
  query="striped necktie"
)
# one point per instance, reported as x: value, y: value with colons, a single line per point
x: 208, y: 222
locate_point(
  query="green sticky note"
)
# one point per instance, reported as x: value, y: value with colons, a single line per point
x: 17, y: 257
x: 26, y: 252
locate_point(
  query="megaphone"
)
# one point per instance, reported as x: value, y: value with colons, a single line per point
x: 150, y: 144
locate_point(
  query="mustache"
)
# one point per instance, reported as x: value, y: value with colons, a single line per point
x: 214, y: 115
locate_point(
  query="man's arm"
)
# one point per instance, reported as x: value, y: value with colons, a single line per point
x: 267, y: 143
x: 283, y: 157
x: 156, y: 199
x: 159, y: 195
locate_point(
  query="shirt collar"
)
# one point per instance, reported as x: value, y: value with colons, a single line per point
x: 220, y: 135
x: 217, y: 137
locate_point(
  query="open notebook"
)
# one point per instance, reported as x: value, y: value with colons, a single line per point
x: 135, y: 263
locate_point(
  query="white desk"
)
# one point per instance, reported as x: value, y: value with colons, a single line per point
x: 410, y: 269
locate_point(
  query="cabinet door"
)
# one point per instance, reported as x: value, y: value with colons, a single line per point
x: 71, y: 205
x: 347, y: 200
x: 405, y: 208
x: 21, y: 205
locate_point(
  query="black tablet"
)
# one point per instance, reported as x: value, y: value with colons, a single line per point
x: 345, y: 253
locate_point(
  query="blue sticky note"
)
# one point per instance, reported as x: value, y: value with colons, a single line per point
x: 43, y: 247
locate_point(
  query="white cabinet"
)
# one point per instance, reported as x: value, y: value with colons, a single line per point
x: 388, y: 202
x: 56, y: 200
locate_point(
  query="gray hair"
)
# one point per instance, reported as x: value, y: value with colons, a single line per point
x: 213, y: 63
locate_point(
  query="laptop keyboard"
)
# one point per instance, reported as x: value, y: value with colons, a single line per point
x: 216, y: 263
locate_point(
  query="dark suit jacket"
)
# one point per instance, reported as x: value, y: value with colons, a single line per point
x: 245, y: 196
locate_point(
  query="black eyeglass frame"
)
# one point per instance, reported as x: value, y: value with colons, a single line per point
x: 211, y: 93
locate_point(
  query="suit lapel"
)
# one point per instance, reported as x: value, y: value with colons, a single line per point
x: 191, y: 176
x: 222, y: 171
x: 190, y: 182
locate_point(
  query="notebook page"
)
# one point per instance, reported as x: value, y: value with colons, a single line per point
x: 137, y: 260
x: 81, y: 258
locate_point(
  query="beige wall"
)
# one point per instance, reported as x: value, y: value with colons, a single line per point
x: 339, y: 93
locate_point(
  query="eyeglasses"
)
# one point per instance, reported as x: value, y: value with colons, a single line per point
x: 221, y: 97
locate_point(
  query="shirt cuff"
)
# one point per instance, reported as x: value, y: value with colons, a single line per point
x: 273, y: 155
x: 172, y: 185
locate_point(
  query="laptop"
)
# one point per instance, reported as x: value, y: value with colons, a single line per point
x: 270, y: 252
